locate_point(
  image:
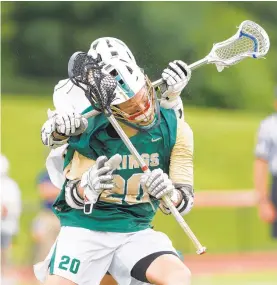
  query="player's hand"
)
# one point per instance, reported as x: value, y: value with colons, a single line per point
x: 176, y: 76
x: 99, y: 177
x: 62, y: 125
x: 69, y: 123
x: 157, y: 184
x: 267, y: 211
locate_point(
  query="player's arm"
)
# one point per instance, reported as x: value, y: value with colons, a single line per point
x: 261, y: 179
x: 181, y: 168
x: 262, y: 154
x: 179, y: 185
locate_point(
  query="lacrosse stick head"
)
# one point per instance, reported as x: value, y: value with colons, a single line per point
x: 85, y: 71
x: 251, y: 40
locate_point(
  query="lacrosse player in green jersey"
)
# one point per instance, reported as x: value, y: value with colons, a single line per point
x: 107, y: 204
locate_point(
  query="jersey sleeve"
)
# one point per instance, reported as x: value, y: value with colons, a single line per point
x: 181, y: 159
x: 263, y: 146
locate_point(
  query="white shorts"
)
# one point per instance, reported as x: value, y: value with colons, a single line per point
x: 84, y: 256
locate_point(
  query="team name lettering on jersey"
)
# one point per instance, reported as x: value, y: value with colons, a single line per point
x: 129, y: 162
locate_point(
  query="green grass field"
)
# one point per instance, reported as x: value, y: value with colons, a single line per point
x: 260, y: 278
x: 224, y: 142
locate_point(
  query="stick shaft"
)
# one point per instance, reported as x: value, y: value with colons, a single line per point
x: 92, y: 113
x: 166, y: 199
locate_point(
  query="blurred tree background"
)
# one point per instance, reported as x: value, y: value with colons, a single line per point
x: 39, y: 37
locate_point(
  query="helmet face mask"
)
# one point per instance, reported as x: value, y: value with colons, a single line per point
x: 140, y: 111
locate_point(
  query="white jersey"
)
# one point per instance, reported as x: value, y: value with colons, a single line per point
x: 266, y: 147
x: 11, y: 199
x: 68, y: 97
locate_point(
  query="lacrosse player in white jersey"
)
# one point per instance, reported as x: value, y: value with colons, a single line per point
x: 115, y: 235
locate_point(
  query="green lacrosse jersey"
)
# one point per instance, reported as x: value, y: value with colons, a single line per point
x: 125, y: 208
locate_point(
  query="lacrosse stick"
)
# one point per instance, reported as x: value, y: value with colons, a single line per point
x: 251, y: 40
x: 85, y: 71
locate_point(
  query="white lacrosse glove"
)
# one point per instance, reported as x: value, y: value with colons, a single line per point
x: 64, y: 124
x: 68, y: 123
x: 176, y: 76
x: 98, y: 178
x: 157, y: 184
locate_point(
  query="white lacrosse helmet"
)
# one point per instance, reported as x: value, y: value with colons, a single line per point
x: 118, y: 61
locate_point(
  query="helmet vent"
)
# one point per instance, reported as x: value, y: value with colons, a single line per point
x: 114, y: 53
x: 129, y: 69
x: 129, y: 55
x: 95, y: 45
x: 109, y: 44
x: 113, y: 73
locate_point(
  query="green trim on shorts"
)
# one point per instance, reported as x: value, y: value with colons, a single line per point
x: 52, y: 261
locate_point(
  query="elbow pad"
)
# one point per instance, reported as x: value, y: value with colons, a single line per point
x: 72, y: 197
x: 186, y: 203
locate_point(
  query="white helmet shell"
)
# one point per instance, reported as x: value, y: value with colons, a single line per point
x: 111, y: 48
